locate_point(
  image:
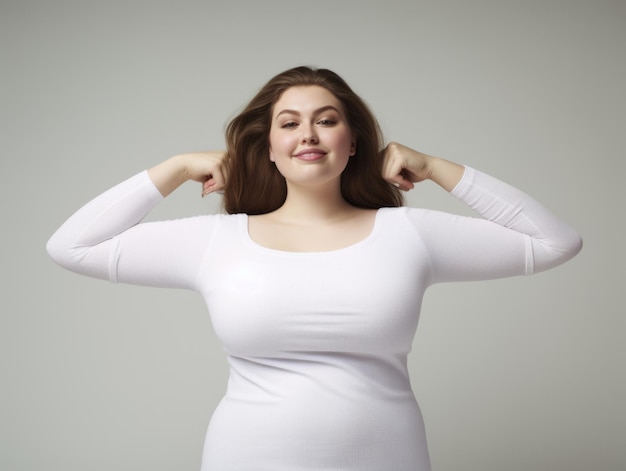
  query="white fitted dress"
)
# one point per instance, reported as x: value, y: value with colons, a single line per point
x: 317, y: 341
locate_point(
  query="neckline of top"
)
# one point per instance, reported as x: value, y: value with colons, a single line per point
x: 244, y: 228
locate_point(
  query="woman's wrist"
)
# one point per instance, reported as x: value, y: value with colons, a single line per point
x: 444, y: 173
x: 169, y: 174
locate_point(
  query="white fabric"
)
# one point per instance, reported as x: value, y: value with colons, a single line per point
x: 317, y: 342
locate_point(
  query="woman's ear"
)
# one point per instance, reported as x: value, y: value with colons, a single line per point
x: 353, y: 144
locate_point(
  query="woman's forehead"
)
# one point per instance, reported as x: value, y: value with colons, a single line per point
x: 307, y: 98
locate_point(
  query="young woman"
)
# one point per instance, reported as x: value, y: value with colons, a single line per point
x: 315, y: 276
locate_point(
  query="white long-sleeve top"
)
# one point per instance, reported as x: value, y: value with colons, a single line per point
x: 317, y: 341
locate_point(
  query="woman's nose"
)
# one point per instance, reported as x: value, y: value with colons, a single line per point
x: 308, y: 135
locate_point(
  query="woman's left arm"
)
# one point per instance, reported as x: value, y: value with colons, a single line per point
x: 550, y: 241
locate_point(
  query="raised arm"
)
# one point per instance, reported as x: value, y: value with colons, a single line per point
x: 104, y: 239
x: 534, y: 239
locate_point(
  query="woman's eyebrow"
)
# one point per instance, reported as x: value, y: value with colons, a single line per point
x: 317, y: 111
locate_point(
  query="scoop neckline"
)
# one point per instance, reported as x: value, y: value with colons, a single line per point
x: 244, y: 228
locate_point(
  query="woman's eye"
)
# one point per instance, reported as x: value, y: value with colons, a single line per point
x: 290, y: 124
x: 327, y: 122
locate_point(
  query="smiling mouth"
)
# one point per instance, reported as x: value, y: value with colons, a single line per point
x: 310, y: 154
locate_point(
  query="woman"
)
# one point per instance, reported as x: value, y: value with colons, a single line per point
x: 315, y: 277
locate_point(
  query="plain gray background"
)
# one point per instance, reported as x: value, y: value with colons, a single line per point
x: 517, y: 374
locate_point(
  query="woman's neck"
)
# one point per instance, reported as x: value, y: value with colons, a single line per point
x: 314, y: 205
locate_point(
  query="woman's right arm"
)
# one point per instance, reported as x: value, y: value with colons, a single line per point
x: 104, y: 239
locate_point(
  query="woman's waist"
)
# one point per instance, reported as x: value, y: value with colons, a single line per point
x: 323, y: 377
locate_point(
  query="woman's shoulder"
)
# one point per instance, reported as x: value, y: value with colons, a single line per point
x: 412, y: 217
x: 217, y: 221
x: 402, y: 212
x: 221, y: 219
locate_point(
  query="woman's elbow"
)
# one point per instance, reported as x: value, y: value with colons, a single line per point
x: 558, y: 253
x: 58, y: 251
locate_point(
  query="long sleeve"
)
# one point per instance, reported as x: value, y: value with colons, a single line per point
x: 516, y: 235
x: 104, y: 239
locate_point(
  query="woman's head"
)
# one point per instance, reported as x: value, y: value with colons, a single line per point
x: 255, y: 186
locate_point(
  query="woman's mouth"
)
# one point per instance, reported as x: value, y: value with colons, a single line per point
x: 310, y: 154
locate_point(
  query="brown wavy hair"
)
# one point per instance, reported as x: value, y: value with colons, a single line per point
x: 254, y: 184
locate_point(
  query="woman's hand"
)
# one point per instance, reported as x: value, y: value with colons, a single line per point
x: 404, y: 167
x: 208, y: 168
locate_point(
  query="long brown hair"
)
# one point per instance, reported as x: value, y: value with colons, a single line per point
x: 254, y: 184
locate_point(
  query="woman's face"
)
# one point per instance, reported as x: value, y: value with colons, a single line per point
x: 310, y: 140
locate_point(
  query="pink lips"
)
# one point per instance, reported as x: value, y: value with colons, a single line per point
x: 310, y: 154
